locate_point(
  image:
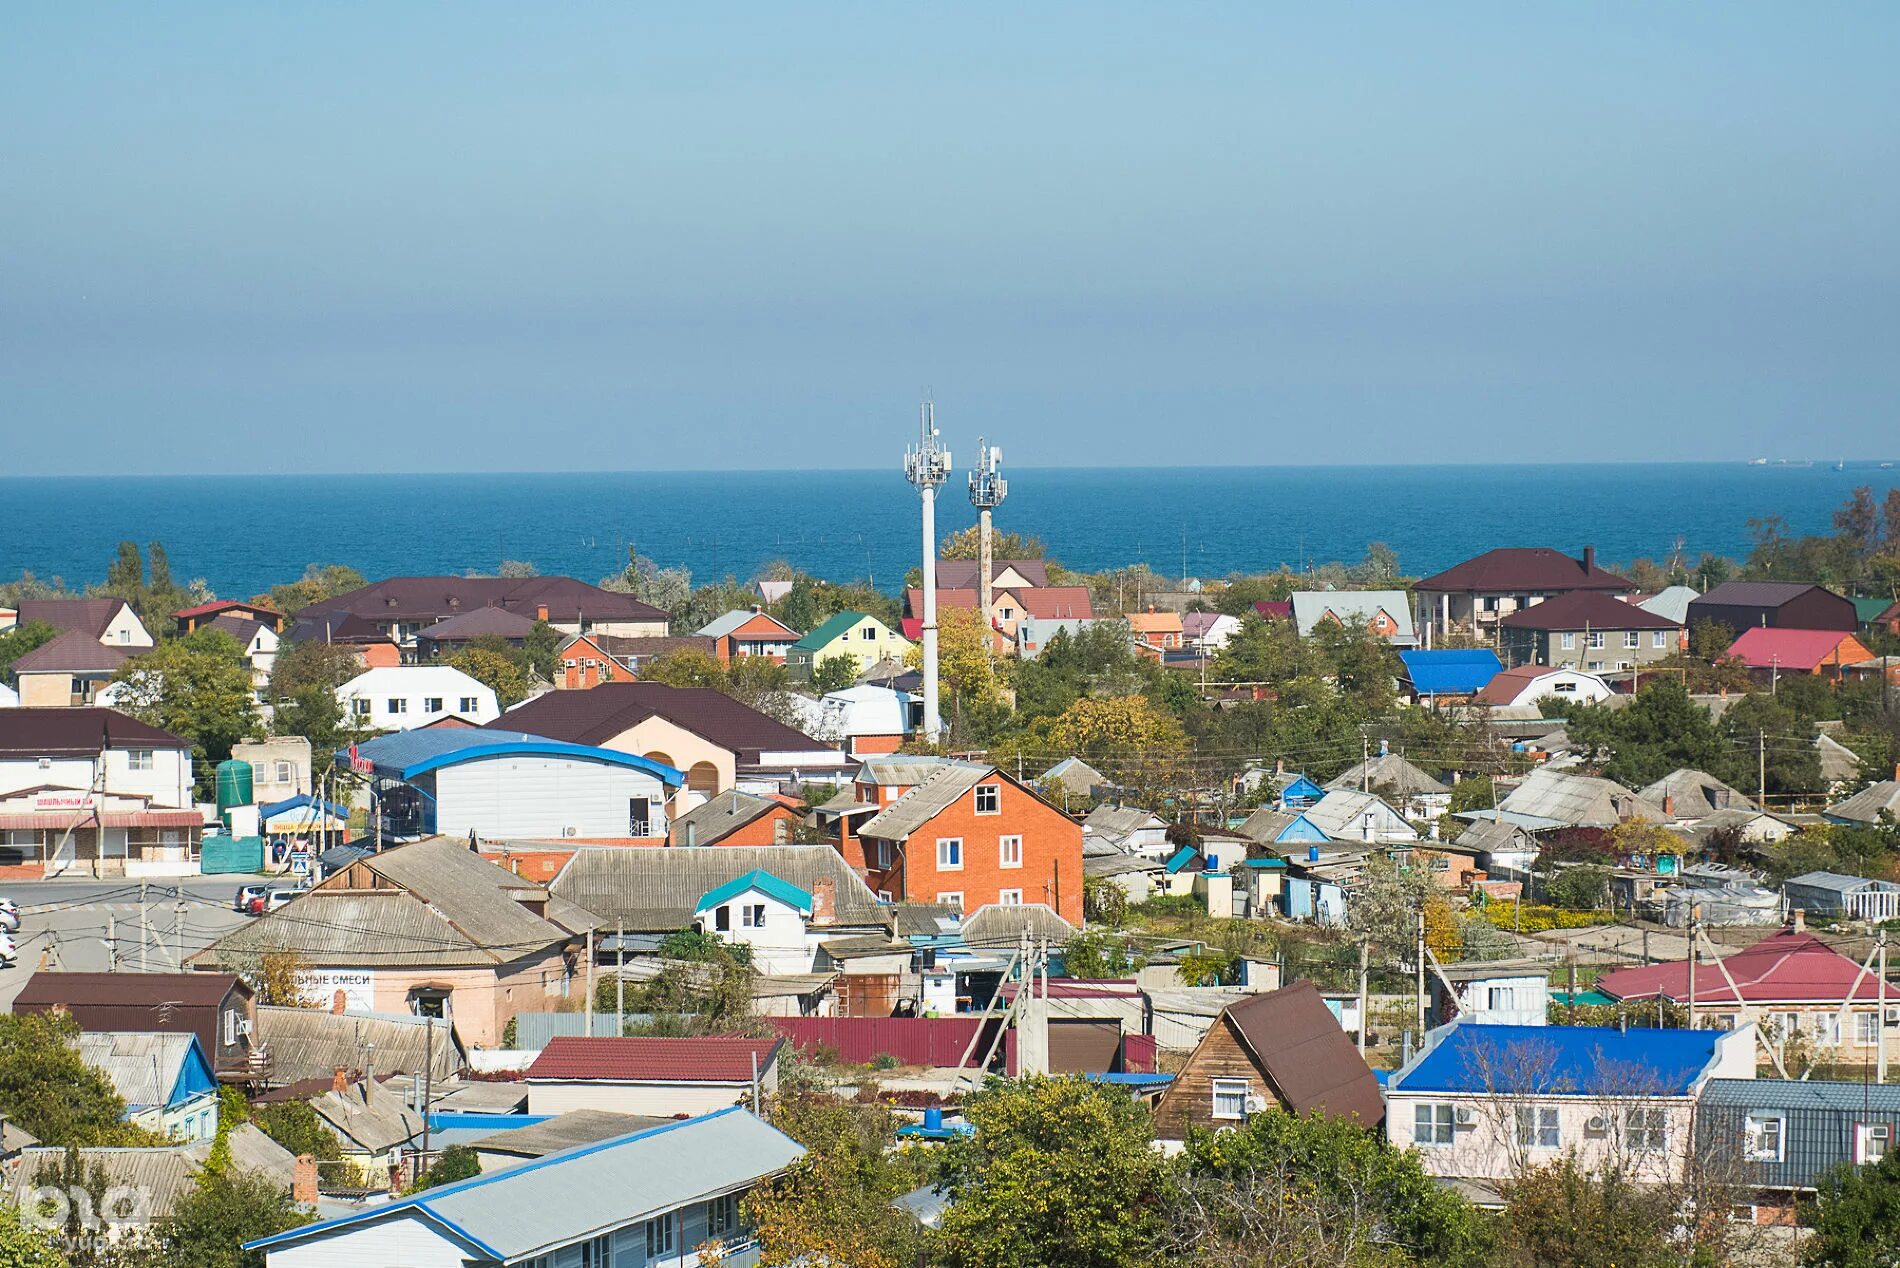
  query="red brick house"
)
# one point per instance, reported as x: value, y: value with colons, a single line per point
x: 736, y: 818
x: 969, y: 835
x: 749, y: 633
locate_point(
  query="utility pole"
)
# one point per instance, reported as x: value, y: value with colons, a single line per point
x: 112, y: 943
x: 178, y: 932
x: 144, y: 930
x: 1695, y: 925
x: 926, y: 466
x: 1880, y: 1017
x: 1364, y: 948
x: 1365, y: 762
x: 588, y: 1026
x: 1761, y: 768
x: 620, y: 978
x: 428, y: 1081
x: 1418, y: 1002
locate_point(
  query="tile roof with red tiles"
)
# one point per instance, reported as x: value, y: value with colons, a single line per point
x: 1788, y: 967
x: 703, y: 1059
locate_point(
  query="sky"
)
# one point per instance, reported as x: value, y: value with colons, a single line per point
x: 495, y: 237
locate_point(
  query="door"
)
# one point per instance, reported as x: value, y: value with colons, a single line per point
x: 639, y: 816
x: 1080, y: 1046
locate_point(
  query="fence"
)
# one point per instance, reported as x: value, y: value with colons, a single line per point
x: 927, y: 1041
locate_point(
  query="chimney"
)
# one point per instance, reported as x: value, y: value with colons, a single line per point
x: 1800, y: 920
x: 303, y: 1185
x: 1589, y: 558
x: 1669, y: 806
x: 824, y: 901
x: 338, y: 1003
x: 541, y: 612
x: 340, y: 1080
x: 756, y: 609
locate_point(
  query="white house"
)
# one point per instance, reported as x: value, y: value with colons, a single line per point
x: 866, y: 720
x: 770, y: 915
x: 1344, y: 815
x: 659, y: 1077
x: 403, y: 697
x: 1491, y: 992
x: 649, y: 1198
x: 110, y: 620
x: 1527, y: 684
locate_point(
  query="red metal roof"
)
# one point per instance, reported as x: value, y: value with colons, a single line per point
x: 1766, y: 648
x: 1274, y: 609
x: 1531, y: 568
x: 1787, y: 968
x: 712, y: 1059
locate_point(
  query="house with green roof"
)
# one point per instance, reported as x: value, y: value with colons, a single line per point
x: 859, y: 635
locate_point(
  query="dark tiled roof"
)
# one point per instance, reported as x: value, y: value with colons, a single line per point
x: 437, y: 598
x: 226, y: 605
x: 960, y: 574
x: 91, y: 616
x: 1590, y: 609
x: 482, y: 622
x: 1523, y: 568
x: 597, y: 715
x: 716, y: 1059
x: 1754, y: 594
x: 78, y: 732
x: 73, y: 652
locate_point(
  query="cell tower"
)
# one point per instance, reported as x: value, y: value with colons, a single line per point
x: 987, y: 490
x: 928, y: 466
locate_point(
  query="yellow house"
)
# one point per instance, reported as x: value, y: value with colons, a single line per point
x: 858, y: 635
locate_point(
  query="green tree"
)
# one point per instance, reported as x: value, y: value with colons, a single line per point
x: 46, y: 1089
x: 303, y: 684
x: 965, y: 544
x: 196, y: 687
x: 318, y: 582
x: 23, y: 1247
x: 1565, y: 1216
x: 1099, y: 955
x: 494, y: 669
x: 295, y: 1126
x: 1855, y: 1216
x: 664, y: 588
x: 22, y: 639
x: 834, y: 673
x: 833, y: 1206
x: 1659, y: 731
x: 209, y: 1225
x: 1584, y: 887
x: 1385, y: 905
x: 1058, y: 1171
x: 457, y: 1162
x: 541, y: 650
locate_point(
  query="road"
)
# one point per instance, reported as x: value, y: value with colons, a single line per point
x: 67, y: 923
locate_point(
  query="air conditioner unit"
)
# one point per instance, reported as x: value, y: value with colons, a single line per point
x: 244, y: 1026
x: 570, y: 831
x: 1466, y: 1115
x: 1256, y: 1103
x: 1598, y: 1125
x: 1893, y: 1016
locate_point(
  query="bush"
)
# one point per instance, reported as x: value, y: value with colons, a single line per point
x: 885, y: 1061
x: 1538, y: 917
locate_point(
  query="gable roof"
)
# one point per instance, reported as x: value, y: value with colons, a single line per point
x: 154, y: 992
x: 1554, y: 798
x: 1532, y: 568
x: 563, y: 1131
x: 961, y: 574
x: 1671, y: 602
x: 1388, y: 773
x: 485, y: 622
x: 88, y: 616
x: 1450, y: 671
x: 313, y: 1043
x: 719, y: 816
x: 1586, y: 609
x: 651, y: 1059
x: 766, y: 883
x: 996, y: 925
x: 1509, y: 684
x: 258, y: 610
x: 1757, y: 594
x: 1695, y: 793
x: 926, y: 801
x: 160, y: 1176
x: 1310, y: 607
x: 77, y: 732
x: 569, y: 1196
x: 1047, y: 603
x: 1766, y: 647
x: 371, y: 1114
x: 658, y: 891
x: 143, y: 1066
x: 1559, y: 1061
x: 598, y: 715
x: 1304, y: 1054
x: 1118, y: 823
x: 1337, y: 814
x: 727, y: 622
x: 410, y: 599
x: 830, y: 629
x: 1786, y: 967
x: 75, y: 651
x: 1865, y: 806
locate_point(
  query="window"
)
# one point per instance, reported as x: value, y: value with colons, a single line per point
x: 867, y: 633
x: 138, y: 759
x: 432, y: 704
x: 1659, y: 638
x: 1564, y: 688
x: 1632, y: 638
x: 884, y: 895
x: 722, y: 1216
x: 883, y: 855
x: 1788, y: 1024
x: 1867, y: 1028
x: 230, y: 1027
x: 1433, y: 1125
x: 639, y: 816
x: 468, y: 704
x: 1537, y: 1127
x: 722, y: 919
x: 283, y: 772
x: 752, y: 916
x: 1762, y: 1134
x: 951, y: 898
x: 989, y: 799
x: 398, y: 705
x: 1871, y: 1141
x: 1647, y: 1127
x: 1500, y: 998
x: 597, y: 1252
x: 1009, y: 897
x: 949, y: 854
x: 1230, y: 1099
x: 257, y: 772
x: 359, y: 707
x: 662, y: 1239
x: 1596, y: 638
x: 1009, y: 851
x: 1569, y: 642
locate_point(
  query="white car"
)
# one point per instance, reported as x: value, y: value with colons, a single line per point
x: 9, y: 916
x: 8, y: 951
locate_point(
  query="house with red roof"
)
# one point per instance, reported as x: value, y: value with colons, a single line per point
x: 1008, y: 606
x: 1785, y: 605
x: 1792, y: 984
x: 1769, y: 652
x: 658, y: 1077
x: 1478, y: 593
x: 1587, y: 630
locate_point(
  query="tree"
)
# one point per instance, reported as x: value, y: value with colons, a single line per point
x: 1099, y: 955
x: 22, y: 639
x: 46, y: 1089
x: 318, y: 582
x: 303, y: 684
x: 209, y: 1225
x: 495, y: 670
x: 457, y: 1162
x: 834, y: 1204
x: 23, y: 1247
x: 295, y: 1126
x: 1385, y: 906
x: 541, y: 650
x: 1661, y: 730
x: 1855, y: 1216
x: 964, y: 544
x: 834, y: 673
x: 197, y: 687
x: 1584, y: 887
x: 1058, y: 1171
x: 1563, y: 1216
x: 664, y: 588
x: 757, y: 682
x: 966, y: 656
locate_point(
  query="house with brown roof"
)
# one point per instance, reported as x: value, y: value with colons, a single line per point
x: 1776, y: 605
x: 1587, y: 630
x: 659, y: 1077
x: 719, y: 742
x: 1283, y: 1049
x: 588, y: 660
x: 220, y: 1009
x: 204, y: 614
x: 397, y: 609
x: 455, y: 633
x: 1478, y: 593
x: 71, y: 670
x: 104, y: 618
x: 1009, y: 607
x: 1005, y: 574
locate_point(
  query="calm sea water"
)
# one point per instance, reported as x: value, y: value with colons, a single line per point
x: 243, y: 534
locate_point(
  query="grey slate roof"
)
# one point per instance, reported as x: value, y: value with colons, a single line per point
x: 1310, y: 607
x: 160, y: 1176
x: 905, y: 771
x: 1118, y: 823
x: 1337, y: 814
x: 254, y: 1154
x: 994, y: 925
x: 719, y: 816
x: 373, y: 1117
x: 924, y: 802
x: 659, y: 890
x: 1696, y: 793
x: 1391, y: 774
x: 143, y: 1066
x: 1839, y: 764
x: 1671, y: 603
x: 1865, y: 806
x: 313, y: 1043
x: 563, y: 1131
x: 1576, y: 800
x: 1266, y: 824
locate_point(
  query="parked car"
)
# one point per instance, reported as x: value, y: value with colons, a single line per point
x: 9, y: 916
x: 280, y: 898
x: 249, y: 899
x: 9, y: 951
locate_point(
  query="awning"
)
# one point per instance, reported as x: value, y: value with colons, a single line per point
x: 60, y: 820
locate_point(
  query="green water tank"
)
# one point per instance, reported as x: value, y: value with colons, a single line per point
x: 234, y: 788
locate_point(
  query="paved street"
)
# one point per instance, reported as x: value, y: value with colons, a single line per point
x: 66, y: 923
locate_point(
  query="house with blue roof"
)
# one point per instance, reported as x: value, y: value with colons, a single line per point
x: 1299, y: 792
x: 455, y: 781
x: 1448, y: 674
x: 651, y: 1197
x: 165, y: 1079
x: 770, y: 915
x: 1483, y: 1102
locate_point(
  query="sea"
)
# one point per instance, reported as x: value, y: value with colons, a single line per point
x: 242, y: 534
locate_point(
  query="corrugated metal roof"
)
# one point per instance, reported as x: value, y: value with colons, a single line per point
x: 312, y: 1043
x: 1450, y: 671
x: 407, y: 754
x: 996, y: 925
x: 924, y: 802
x: 562, y: 1132
x: 1672, y: 604
x: 1763, y: 647
x: 89, y: 616
x: 598, y: 715
x: 766, y: 883
x: 1311, y: 1062
x: 77, y: 732
x: 144, y: 1067
x: 1560, y: 1061
x: 1531, y: 568
x: 1784, y: 968
x: 1310, y: 607
x: 654, y: 1059
x: 659, y: 890
x: 1586, y: 609
x: 833, y: 626
x: 1865, y: 806
x: 1836, y: 882
x: 1389, y: 774
x: 1750, y: 594
x: 75, y: 651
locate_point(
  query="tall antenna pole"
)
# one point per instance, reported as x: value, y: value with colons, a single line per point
x: 927, y: 466
x: 987, y: 488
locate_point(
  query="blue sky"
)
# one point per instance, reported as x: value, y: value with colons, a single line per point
x: 480, y: 236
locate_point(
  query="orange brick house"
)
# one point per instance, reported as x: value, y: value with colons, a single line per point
x: 971, y: 836
x: 736, y: 818
x: 749, y: 633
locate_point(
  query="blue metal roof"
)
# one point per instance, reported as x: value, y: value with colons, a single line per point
x: 1451, y: 671
x: 1182, y: 858
x: 1561, y: 1061
x: 1131, y: 1079
x: 761, y: 880
x: 404, y: 755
